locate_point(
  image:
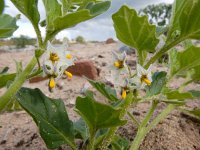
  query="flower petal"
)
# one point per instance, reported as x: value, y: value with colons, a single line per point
x: 50, y: 47
x: 48, y: 67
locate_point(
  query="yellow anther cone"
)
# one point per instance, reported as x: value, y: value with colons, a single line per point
x: 52, y: 83
x: 68, y: 74
x: 123, y: 94
x: 117, y: 64
x: 69, y: 56
x: 147, y: 81
x: 54, y: 57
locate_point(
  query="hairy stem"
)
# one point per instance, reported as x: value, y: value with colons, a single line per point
x: 21, y: 78
x: 161, y: 52
x: 142, y: 132
x: 91, y: 141
x: 15, y: 86
x: 133, y: 119
x: 149, y: 114
x: 108, y: 138
x: 39, y: 36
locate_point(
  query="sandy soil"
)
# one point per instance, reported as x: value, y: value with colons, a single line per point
x: 19, y: 132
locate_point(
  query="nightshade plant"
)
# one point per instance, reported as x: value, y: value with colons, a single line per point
x: 99, y: 122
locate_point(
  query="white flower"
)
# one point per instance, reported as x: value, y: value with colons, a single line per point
x: 54, y: 54
x: 48, y: 68
x: 143, y: 77
x: 118, y: 65
x: 56, y: 61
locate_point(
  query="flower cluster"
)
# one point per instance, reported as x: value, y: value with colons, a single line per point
x: 141, y: 77
x: 56, y: 61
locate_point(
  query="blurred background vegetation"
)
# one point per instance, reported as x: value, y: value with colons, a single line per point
x: 158, y: 14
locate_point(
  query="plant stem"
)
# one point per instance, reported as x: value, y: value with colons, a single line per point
x: 12, y: 90
x: 108, y: 138
x: 92, y: 139
x: 149, y: 114
x: 161, y: 116
x: 142, y: 132
x: 161, y: 52
x: 133, y: 119
x: 21, y: 78
x: 39, y: 36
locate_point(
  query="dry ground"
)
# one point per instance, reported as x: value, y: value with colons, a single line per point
x: 19, y: 132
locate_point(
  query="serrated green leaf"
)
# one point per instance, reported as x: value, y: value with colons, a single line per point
x: 159, y: 80
x: 185, y: 21
x: 1, y: 6
x: 135, y: 31
x: 105, y: 90
x: 4, y: 78
x: 29, y: 9
x: 195, y: 94
x: 182, y: 61
x: 7, y: 25
x: 50, y: 116
x: 177, y: 95
x: 97, y: 115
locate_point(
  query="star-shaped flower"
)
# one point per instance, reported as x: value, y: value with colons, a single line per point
x: 56, y: 61
x: 118, y: 65
x: 143, y: 77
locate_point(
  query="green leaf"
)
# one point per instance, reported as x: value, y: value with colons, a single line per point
x: 4, y: 78
x: 7, y: 25
x: 195, y: 73
x: 159, y: 80
x: 194, y: 112
x: 1, y: 6
x: 185, y: 21
x: 98, y: 115
x: 105, y: 90
x: 195, y: 94
x: 182, y: 61
x: 53, y: 11
x: 29, y: 9
x: 135, y: 31
x: 72, y: 19
x: 99, y: 8
x: 50, y: 116
x: 119, y: 143
x: 81, y: 130
x: 177, y: 95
